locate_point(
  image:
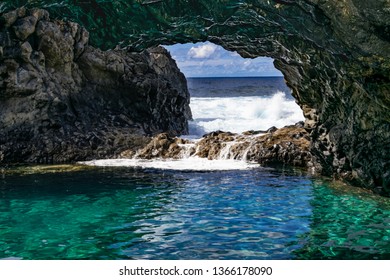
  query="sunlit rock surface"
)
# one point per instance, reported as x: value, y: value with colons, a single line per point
x: 287, y: 145
x: 334, y: 55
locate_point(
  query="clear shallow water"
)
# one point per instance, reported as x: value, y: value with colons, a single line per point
x: 134, y: 213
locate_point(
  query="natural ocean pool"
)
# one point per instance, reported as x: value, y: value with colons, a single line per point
x: 141, y: 213
x: 182, y: 209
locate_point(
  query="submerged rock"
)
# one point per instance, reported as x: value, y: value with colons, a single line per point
x: 62, y: 100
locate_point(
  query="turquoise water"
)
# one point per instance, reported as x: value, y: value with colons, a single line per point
x: 122, y: 213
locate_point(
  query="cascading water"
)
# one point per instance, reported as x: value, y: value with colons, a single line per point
x: 126, y: 213
x: 221, y: 104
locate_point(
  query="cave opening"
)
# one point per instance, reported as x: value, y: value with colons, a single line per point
x: 231, y: 93
x: 331, y: 60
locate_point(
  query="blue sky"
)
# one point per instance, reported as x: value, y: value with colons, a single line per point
x: 209, y: 60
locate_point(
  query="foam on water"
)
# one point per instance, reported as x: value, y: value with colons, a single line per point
x: 184, y: 164
x: 223, y: 105
x: 234, y: 114
x: 239, y: 114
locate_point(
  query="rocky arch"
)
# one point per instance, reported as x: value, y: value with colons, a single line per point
x: 334, y: 56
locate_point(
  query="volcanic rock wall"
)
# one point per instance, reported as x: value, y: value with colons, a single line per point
x: 334, y: 54
x: 62, y: 100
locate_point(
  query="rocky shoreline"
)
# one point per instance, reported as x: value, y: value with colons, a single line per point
x: 62, y: 100
x: 288, y: 145
x: 65, y: 101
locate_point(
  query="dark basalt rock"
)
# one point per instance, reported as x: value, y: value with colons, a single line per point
x: 62, y: 100
x: 334, y: 56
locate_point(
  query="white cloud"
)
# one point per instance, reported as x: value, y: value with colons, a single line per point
x: 246, y: 65
x: 203, y: 51
x: 209, y: 60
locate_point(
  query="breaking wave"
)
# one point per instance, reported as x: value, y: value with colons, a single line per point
x: 239, y: 114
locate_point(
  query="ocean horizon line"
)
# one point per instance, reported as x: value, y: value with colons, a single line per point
x: 230, y: 77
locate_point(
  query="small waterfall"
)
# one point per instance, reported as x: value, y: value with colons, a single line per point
x: 219, y: 151
x: 244, y: 156
x: 187, y: 150
x: 251, y: 141
x: 226, y: 151
x: 216, y: 146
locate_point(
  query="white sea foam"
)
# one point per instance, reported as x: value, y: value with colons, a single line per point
x: 190, y: 164
x: 234, y: 114
x: 239, y: 114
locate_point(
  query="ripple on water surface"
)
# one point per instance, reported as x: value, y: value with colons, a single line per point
x: 130, y: 213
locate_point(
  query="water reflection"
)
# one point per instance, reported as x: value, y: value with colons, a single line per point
x: 346, y: 223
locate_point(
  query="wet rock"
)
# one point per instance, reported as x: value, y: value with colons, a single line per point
x: 271, y: 129
x: 39, y: 14
x: 288, y: 145
x: 8, y: 19
x: 333, y: 54
x: 253, y: 132
x: 24, y: 27
x: 26, y: 51
x: 161, y: 146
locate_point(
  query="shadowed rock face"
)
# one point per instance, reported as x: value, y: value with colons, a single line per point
x: 334, y: 55
x: 62, y: 100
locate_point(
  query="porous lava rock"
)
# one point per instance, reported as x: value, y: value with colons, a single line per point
x: 62, y: 100
x: 288, y: 145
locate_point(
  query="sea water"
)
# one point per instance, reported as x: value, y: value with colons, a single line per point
x: 192, y: 208
x: 228, y: 104
x: 241, y: 104
x: 145, y: 213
